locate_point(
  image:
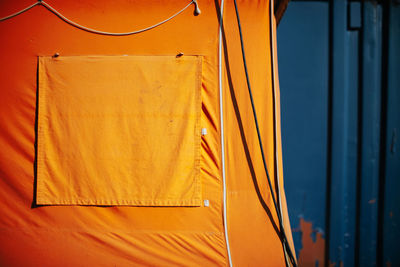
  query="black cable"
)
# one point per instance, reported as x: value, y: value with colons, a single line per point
x: 283, y: 234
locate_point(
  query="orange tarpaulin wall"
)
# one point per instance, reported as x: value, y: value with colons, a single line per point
x: 111, y: 151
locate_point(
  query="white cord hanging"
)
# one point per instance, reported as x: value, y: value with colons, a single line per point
x: 77, y: 25
x: 20, y: 12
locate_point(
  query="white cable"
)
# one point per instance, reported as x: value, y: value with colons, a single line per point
x: 111, y: 33
x: 19, y: 12
x: 57, y: 13
x: 221, y: 114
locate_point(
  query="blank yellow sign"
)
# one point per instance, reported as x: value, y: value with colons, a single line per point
x: 119, y: 130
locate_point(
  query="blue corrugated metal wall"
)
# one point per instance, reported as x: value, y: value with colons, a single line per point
x: 339, y: 65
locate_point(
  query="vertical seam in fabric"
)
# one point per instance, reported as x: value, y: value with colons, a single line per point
x: 221, y: 113
x: 278, y: 192
x: 275, y: 109
x: 40, y: 139
x: 197, y: 135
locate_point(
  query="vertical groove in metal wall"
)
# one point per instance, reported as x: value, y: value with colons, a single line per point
x: 329, y: 138
x: 221, y: 114
x: 383, y: 135
x: 359, y: 139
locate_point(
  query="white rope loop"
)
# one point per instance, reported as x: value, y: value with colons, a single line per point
x: 79, y: 26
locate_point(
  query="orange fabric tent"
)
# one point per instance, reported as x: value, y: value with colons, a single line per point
x: 111, y: 146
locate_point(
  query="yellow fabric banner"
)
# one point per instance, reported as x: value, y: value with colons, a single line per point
x: 119, y: 130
